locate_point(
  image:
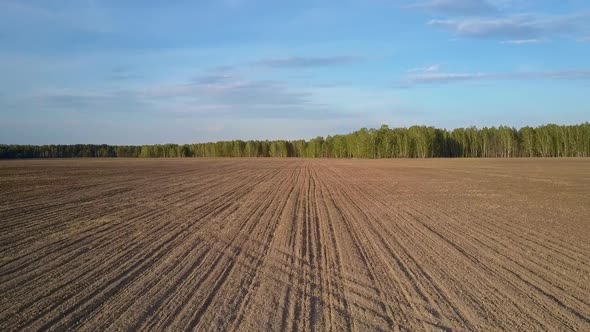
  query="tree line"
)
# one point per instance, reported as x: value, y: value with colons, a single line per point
x: 413, y: 142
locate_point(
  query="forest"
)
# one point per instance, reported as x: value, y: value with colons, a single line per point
x: 414, y: 142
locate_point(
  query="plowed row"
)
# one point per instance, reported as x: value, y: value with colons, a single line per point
x: 291, y: 245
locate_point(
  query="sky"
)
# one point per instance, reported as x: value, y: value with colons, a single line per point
x: 147, y: 72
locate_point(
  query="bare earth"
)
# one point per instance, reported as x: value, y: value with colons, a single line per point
x: 290, y: 245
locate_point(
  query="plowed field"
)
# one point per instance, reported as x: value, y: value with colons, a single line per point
x: 291, y: 245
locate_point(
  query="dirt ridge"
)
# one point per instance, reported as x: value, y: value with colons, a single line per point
x: 295, y: 245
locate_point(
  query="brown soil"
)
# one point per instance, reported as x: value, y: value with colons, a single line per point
x: 290, y: 245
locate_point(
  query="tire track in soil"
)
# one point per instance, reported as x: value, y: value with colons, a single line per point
x: 220, y: 255
x: 492, y: 272
x: 293, y: 245
x: 226, y: 203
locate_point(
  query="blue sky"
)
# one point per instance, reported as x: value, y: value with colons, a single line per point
x: 143, y: 72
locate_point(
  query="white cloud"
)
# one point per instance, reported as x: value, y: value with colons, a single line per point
x: 428, y: 69
x: 211, y: 96
x: 524, y: 26
x: 303, y: 62
x: 441, y: 78
x: 523, y: 41
x: 456, y: 7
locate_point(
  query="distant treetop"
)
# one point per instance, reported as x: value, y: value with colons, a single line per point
x: 414, y: 142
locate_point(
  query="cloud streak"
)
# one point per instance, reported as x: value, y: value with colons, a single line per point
x: 211, y: 96
x: 446, y: 78
x: 429, y: 69
x: 123, y: 73
x: 228, y: 90
x: 523, y: 41
x: 525, y: 26
x: 308, y: 62
x: 457, y: 7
